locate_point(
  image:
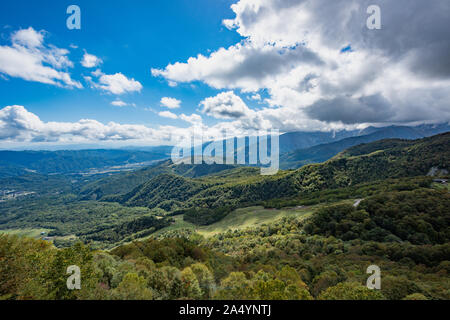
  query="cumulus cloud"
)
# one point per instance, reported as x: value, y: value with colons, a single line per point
x: 193, y: 118
x: 119, y: 84
x: 409, y: 28
x: 90, y: 61
x: 28, y: 38
x: 243, y: 65
x: 225, y: 105
x: 168, y: 114
x: 114, y: 83
x: 30, y: 58
x: 293, y: 51
x: 19, y: 125
x: 170, y: 103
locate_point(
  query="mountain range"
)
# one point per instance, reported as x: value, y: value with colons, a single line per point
x: 320, y: 153
x: 384, y: 159
x: 296, y: 149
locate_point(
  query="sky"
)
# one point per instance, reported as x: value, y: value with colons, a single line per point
x: 154, y: 72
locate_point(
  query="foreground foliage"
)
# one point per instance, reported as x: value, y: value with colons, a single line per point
x: 325, y: 257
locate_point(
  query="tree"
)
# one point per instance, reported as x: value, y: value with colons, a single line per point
x: 398, y: 287
x: 190, y: 286
x: 324, y: 280
x: 55, y: 276
x: 293, y: 292
x: 415, y: 296
x: 235, y: 287
x: 272, y: 289
x: 350, y: 291
x: 133, y: 287
x: 205, y: 279
x: 23, y: 264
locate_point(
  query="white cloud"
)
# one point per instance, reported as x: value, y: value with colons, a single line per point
x: 114, y: 83
x: 225, y: 105
x: 120, y: 103
x: 292, y: 51
x: 170, y: 103
x: 29, y: 58
x: 168, y: 114
x: 90, y: 61
x: 19, y: 125
x: 244, y: 65
x: 28, y: 38
x: 193, y: 118
x: 97, y: 73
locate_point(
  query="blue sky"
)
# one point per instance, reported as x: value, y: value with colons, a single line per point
x: 152, y: 72
x: 130, y: 39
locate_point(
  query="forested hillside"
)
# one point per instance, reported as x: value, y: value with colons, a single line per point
x: 125, y: 182
x: 320, y: 153
x: 365, y: 163
x: 324, y: 257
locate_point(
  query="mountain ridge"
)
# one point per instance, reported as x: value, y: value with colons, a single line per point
x: 323, y: 152
x: 393, y: 158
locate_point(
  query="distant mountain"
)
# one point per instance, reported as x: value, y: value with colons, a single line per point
x: 71, y: 161
x: 297, y: 149
x: 303, y: 140
x: 294, y: 142
x: 156, y: 149
x: 323, y: 152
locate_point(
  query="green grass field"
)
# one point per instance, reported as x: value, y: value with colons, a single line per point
x: 238, y: 220
x: 251, y: 217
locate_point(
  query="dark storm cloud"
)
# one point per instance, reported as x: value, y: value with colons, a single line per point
x: 412, y: 30
x: 370, y: 109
